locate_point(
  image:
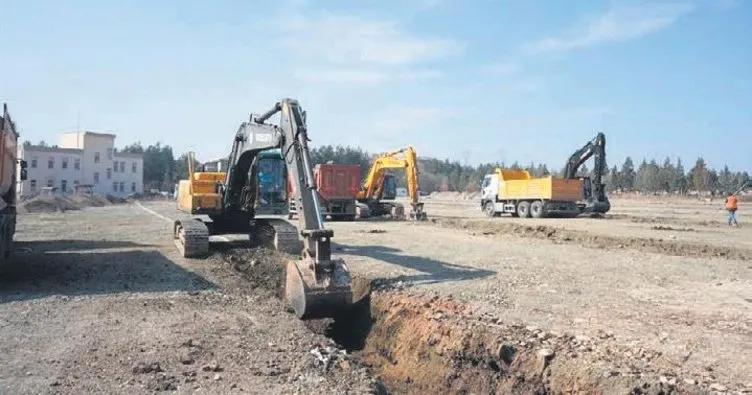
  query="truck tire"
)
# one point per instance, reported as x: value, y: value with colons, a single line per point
x: 537, y: 209
x: 523, y: 209
x: 489, y: 210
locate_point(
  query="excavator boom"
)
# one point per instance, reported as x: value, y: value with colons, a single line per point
x: 595, y: 192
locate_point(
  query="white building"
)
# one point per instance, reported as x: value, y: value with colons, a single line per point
x: 82, y: 158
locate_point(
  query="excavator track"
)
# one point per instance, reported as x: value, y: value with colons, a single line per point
x: 397, y: 211
x: 281, y: 236
x: 191, y: 237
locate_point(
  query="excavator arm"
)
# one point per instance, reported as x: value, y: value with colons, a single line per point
x: 317, y: 285
x: 595, y: 148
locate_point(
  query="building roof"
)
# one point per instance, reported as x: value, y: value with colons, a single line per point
x: 39, y: 148
x: 88, y: 133
x: 129, y: 155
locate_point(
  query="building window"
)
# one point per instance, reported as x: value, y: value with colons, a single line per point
x: 96, y: 157
x: 34, y: 162
x: 122, y: 184
x: 109, y: 173
x: 114, y: 186
x: 133, y: 187
x: 109, y: 153
x: 64, y: 185
x: 51, y: 163
x: 65, y: 163
x: 33, y: 185
x: 96, y: 177
x: 50, y: 183
x: 75, y: 182
x: 135, y: 166
x: 77, y: 164
x: 122, y: 167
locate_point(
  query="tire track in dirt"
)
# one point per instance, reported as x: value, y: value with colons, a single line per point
x: 478, y: 227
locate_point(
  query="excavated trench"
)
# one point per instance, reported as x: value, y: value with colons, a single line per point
x: 421, y: 344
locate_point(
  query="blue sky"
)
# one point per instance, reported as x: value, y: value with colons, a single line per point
x: 481, y: 80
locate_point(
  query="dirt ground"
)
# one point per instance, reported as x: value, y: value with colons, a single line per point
x: 654, y: 298
x: 101, y: 303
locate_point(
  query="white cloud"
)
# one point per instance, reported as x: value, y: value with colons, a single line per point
x: 347, y: 39
x: 330, y: 47
x: 616, y: 25
x: 347, y: 76
x: 363, y: 76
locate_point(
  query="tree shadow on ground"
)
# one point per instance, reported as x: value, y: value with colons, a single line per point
x: 37, y: 274
x: 432, y: 271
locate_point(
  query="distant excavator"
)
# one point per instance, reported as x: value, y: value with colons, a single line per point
x: 379, y: 188
x: 594, y: 200
x: 245, y: 199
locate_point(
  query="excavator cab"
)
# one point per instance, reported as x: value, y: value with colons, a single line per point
x: 389, y: 187
x: 271, y: 173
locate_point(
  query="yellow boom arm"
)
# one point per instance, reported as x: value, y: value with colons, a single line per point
x: 405, y: 158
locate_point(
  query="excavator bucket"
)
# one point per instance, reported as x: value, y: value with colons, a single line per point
x: 418, y: 216
x: 417, y: 213
x: 315, y: 293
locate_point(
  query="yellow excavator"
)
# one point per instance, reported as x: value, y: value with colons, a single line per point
x: 379, y: 188
x: 251, y: 199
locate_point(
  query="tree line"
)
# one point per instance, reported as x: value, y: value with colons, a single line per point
x: 162, y: 171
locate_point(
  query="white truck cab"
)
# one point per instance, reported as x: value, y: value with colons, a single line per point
x: 488, y: 188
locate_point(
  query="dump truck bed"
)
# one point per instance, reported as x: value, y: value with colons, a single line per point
x: 546, y: 188
x: 204, y: 198
x: 337, y: 181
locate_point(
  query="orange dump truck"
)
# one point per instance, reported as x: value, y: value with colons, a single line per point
x: 338, y: 185
x: 516, y: 193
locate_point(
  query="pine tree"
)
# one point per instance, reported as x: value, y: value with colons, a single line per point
x: 699, y: 176
x: 627, y: 174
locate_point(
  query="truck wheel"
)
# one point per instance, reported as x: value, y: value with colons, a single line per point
x: 536, y: 209
x: 523, y: 209
x: 488, y: 208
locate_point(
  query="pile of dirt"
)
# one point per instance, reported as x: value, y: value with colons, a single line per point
x: 48, y: 204
x: 63, y: 203
x: 558, y: 235
x: 671, y: 228
x: 262, y: 269
x: 116, y: 199
x: 89, y: 200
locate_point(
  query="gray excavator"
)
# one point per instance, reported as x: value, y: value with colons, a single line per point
x: 594, y: 200
x: 317, y: 285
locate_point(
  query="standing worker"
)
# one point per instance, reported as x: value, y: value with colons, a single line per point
x: 731, y: 206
